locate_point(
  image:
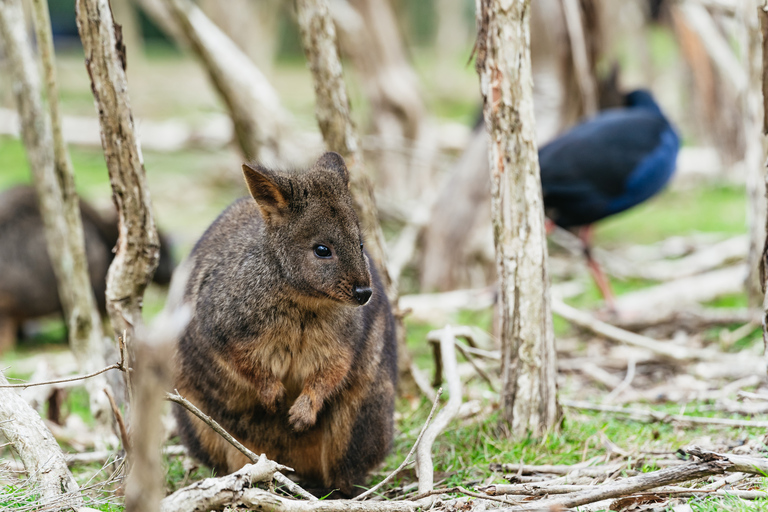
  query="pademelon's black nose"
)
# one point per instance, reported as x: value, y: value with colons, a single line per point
x: 362, y: 294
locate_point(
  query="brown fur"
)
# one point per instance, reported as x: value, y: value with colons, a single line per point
x: 278, y: 350
x: 28, y: 287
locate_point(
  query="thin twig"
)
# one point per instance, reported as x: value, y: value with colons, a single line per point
x: 624, y: 384
x: 407, y: 460
x: 642, y: 414
x: 282, y: 479
x: 120, y: 421
x: 116, y: 366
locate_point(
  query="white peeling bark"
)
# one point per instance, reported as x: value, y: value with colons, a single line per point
x: 54, y: 183
x: 34, y: 444
x: 138, y: 247
x: 529, y: 397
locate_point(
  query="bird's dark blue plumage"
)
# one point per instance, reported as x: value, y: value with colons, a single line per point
x: 609, y: 163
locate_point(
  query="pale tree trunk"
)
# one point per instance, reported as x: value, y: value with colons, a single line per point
x: 340, y: 135
x: 332, y: 111
x: 454, y: 248
x: 529, y: 395
x: 153, y: 377
x: 719, y: 79
x: 54, y: 182
x: 251, y: 24
x: 763, y: 21
x: 263, y: 127
x: 453, y: 241
x: 38, y: 450
x: 157, y: 11
x: 584, y: 69
x: 138, y: 246
x: 754, y: 155
x: 369, y: 35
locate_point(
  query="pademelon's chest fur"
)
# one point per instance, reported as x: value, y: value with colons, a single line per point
x: 294, y: 345
x: 299, y: 347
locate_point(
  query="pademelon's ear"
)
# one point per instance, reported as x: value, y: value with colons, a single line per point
x: 334, y: 161
x: 264, y: 188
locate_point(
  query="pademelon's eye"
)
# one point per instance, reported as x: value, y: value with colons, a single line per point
x: 361, y: 246
x: 322, y: 251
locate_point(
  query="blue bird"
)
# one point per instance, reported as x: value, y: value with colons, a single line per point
x: 605, y: 165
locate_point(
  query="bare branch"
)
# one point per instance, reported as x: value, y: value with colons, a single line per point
x: 648, y: 415
x: 138, y: 247
x: 424, y: 467
x: 282, y: 479
x: 116, y: 366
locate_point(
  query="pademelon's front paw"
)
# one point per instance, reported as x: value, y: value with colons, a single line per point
x: 272, y: 394
x: 302, y: 414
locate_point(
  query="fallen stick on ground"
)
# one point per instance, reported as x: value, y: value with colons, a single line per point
x: 259, y: 499
x: 709, y: 463
x: 546, y: 490
x: 588, y: 468
x: 664, y: 349
x: 216, y: 493
x: 690, y: 319
x: 649, y: 415
x: 728, y: 363
x: 688, y: 290
x: 282, y: 479
x: 424, y: 467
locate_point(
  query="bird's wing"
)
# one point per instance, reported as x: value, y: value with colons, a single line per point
x: 589, y: 166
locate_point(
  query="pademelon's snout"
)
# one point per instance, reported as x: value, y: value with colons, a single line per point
x: 362, y: 294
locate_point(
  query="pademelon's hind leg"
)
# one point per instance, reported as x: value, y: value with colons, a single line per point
x: 206, y: 445
x: 369, y: 443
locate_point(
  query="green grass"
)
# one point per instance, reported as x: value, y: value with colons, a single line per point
x: 704, y: 209
x: 462, y: 454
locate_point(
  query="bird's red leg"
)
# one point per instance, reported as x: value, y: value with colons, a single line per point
x: 585, y: 234
x: 549, y: 226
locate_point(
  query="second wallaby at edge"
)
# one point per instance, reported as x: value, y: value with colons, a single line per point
x: 291, y: 346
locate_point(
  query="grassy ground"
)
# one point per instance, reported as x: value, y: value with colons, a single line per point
x: 190, y: 188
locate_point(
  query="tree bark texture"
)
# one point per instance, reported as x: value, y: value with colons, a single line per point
x: 763, y: 20
x: 36, y: 447
x: 755, y: 146
x: 54, y: 182
x: 529, y: 395
x: 262, y: 125
x: 138, y: 246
